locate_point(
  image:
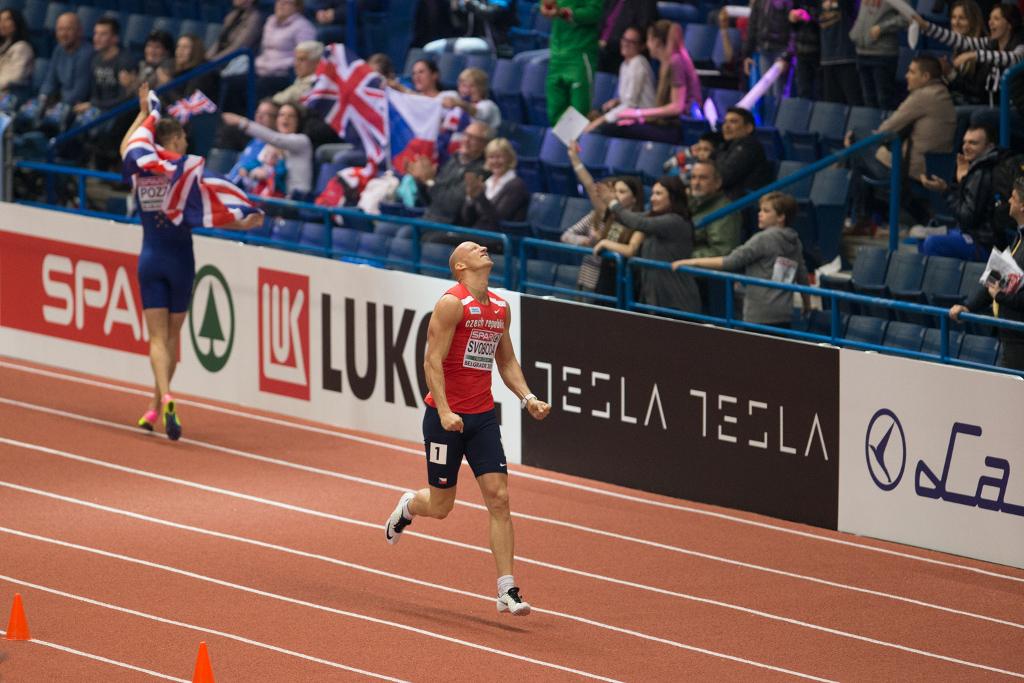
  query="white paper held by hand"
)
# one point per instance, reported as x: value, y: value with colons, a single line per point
x: 570, y: 126
x: 913, y: 35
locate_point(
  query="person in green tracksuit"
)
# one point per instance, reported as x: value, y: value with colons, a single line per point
x: 574, y: 32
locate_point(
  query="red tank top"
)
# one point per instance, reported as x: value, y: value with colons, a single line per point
x: 467, y: 367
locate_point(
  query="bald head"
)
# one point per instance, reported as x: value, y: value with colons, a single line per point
x: 68, y: 30
x: 458, y: 257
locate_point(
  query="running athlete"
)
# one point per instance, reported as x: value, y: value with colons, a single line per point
x: 465, y: 339
x: 173, y: 196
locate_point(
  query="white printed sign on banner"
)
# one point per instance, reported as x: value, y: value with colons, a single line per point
x: 304, y: 336
x: 931, y: 455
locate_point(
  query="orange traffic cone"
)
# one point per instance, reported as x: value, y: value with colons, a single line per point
x: 204, y: 672
x: 17, y: 627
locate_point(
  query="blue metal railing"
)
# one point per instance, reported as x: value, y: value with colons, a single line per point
x: 856, y: 148
x: 1004, y: 103
x: 624, y: 296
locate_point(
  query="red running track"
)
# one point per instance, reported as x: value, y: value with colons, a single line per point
x: 263, y: 536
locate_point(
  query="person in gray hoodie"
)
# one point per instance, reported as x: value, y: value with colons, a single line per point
x: 774, y: 253
x: 875, y: 35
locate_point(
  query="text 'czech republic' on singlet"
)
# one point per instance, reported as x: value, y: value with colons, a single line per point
x: 470, y: 359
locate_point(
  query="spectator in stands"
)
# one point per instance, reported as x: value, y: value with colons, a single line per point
x: 771, y: 36
x: 968, y: 83
x: 503, y: 196
x: 190, y: 53
x: 808, y: 48
x: 307, y: 57
x: 69, y: 76
x: 444, y: 190
x: 266, y: 116
x: 636, y: 79
x: 703, y: 150
x: 471, y: 97
x: 109, y: 86
x: 971, y: 198
x: 620, y: 16
x: 241, y: 28
x: 773, y: 253
x: 573, y: 46
x: 875, y: 35
x: 839, y: 77
x: 677, y: 94
x: 282, y: 32
x: 155, y: 52
x: 732, y: 62
x: 929, y: 115
x: 382, y: 64
x: 1002, y: 49
x: 294, y: 146
x: 668, y: 236
x: 721, y: 235
x: 1005, y: 295
x: 425, y: 79
x: 741, y: 160
x: 600, y: 229
x: 16, y: 58
x: 331, y: 16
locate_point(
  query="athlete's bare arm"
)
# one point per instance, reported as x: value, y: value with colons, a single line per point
x: 446, y: 318
x: 143, y: 113
x: 512, y: 374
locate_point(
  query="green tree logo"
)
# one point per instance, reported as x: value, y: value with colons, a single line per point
x: 216, y: 335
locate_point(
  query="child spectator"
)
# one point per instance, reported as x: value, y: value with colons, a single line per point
x: 773, y: 253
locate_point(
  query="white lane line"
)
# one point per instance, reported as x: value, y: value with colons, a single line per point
x: 200, y: 629
x: 89, y: 655
x: 528, y: 475
x: 577, y: 572
x: 303, y: 603
x: 544, y: 520
x: 386, y: 574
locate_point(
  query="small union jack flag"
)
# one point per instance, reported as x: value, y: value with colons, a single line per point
x: 193, y: 197
x: 348, y: 91
x: 187, y: 107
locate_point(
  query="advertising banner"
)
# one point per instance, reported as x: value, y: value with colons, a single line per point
x: 740, y: 420
x: 932, y: 456
x: 309, y: 337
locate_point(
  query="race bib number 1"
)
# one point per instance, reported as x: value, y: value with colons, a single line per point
x: 480, y: 350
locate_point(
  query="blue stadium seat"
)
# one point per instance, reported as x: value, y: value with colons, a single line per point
x: 285, y: 230
x: 345, y: 240
x: 820, y: 322
x: 651, y: 159
x: 700, y: 43
x: 220, y: 160
x: 400, y: 249
x: 794, y: 114
x: 540, y: 272
x: 212, y: 12
x: 211, y: 34
x: 39, y: 68
x: 901, y: 335
x: 869, y: 266
x: 54, y: 10
x: 679, y: 12
x: 534, y: 92
x: 575, y: 208
x: 450, y: 65
x: 135, y: 32
x: 193, y: 27
x: 929, y: 9
x: 801, y: 189
x: 864, y: 119
x: 434, y: 257
x: 977, y: 348
x: 506, y: 90
x: 941, y: 283
x: 932, y: 342
x: 606, y: 87
x: 970, y: 284
x: 482, y: 62
x: 12, y: 4
x: 387, y: 228
x: 905, y: 273
x: 374, y: 248
x: 545, y: 212
x: 35, y: 14
x: 827, y: 126
x: 593, y: 150
x: 87, y: 16
x: 829, y: 194
x: 866, y: 329
x: 621, y: 156
x: 169, y: 24
x: 526, y: 139
x: 314, y: 235
x: 554, y: 155
x: 724, y: 99
x: 566, y: 275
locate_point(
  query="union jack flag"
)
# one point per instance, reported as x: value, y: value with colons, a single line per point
x: 192, y: 196
x: 348, y: 91
x: 187, y: 107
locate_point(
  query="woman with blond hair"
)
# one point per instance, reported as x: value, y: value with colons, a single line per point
x: 503, y: 196
x: 471, y: 97
x: 677, y: 93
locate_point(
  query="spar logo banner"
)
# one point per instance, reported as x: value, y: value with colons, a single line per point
x: 211, y: 320
x: 284, y: 333
x: 70, y: 291
x: 932, y: 456
x: 721, y: 417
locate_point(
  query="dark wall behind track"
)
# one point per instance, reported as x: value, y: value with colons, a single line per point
x: 722, y: 417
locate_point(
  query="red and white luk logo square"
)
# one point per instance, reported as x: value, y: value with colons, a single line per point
x: 284, y: 333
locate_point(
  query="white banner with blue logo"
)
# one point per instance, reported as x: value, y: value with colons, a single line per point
x: 932, y: 456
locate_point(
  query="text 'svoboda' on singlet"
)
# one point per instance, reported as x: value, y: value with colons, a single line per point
x: 470, y: 359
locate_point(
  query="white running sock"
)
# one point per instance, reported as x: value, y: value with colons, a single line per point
x: 405, y: 510
x: 504, y: 583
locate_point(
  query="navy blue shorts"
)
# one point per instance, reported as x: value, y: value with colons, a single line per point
x: 479, y: 441
x: 165, y: 277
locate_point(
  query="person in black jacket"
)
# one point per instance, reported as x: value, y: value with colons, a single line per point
x: 971, y: 198
x: 1005, y: 292
x: 618, y: 16
x: 503, y: 196
x: 741, y: 160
